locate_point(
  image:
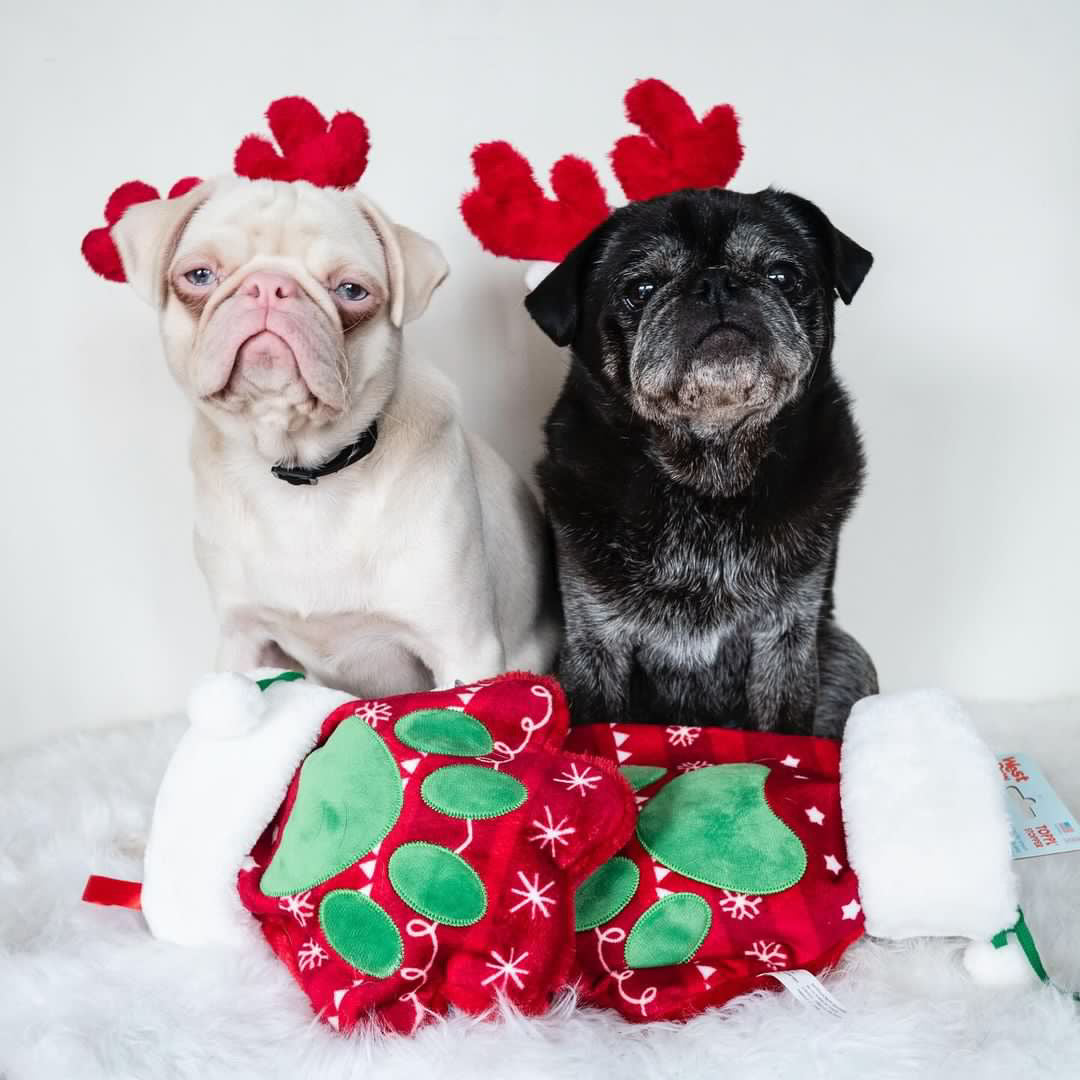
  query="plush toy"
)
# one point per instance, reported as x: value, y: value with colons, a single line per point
x: 445, y: 849
x: 756, y: 853
x: 400, y: 856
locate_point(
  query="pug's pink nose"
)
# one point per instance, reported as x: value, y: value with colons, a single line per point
x: 266, y: 287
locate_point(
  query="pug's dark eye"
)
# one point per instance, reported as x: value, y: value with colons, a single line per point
x: 349, y: 290
x: 784, y: 276
x: 201, y: 276
x: 637, y: 294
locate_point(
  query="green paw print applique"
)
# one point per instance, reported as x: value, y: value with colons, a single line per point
x: 712, y: 825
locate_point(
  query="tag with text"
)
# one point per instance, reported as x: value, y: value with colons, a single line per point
x: 1041, y: 823
x: 808, y: 989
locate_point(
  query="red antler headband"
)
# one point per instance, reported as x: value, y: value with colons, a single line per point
x: 509, y: 214
x: 327, y: 154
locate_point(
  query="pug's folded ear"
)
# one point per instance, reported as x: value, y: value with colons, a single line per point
x: 556, y: 302
x: 415, y: 265
x: 848, y: 261
x: 147, y: 237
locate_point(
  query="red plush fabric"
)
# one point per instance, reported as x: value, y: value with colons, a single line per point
x: 327, y: 154
x: 509, y: 214
x: 577, y: 813
x: 98, y: 247
x: 808, y: 925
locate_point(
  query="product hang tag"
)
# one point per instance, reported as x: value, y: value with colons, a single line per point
x: 809, y: 989
x: 1041, y: 822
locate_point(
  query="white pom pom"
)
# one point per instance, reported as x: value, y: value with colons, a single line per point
x: 1000, y: 968
x: 226, y: 705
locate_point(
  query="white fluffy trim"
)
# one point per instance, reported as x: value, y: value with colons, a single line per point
x: 924, y: 813
x: 217, y: 796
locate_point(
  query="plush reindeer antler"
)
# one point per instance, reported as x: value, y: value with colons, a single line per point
x: 676, y: 150
x: 98, y: 247
x: 509, y: 214
x: 330, y: 154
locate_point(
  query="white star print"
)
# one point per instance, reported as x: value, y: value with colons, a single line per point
x: 551, y: 832
x: 815, y: 815
x: 579, y: 780
x: 507, y: 970
x: 832, y: 864
x: 249, y: 863
x: 533, y: 895
x: 850, y: 911
x: 791, y: 762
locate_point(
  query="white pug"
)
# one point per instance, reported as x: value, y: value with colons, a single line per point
x: 417, y: 557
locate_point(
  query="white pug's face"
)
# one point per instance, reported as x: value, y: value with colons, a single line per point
x: 281, y: 304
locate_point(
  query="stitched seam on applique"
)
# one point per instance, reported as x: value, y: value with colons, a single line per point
x: 521, y: 796
x: 635, y: 930
x: 431, y: 914
x: 613, y: 909
x: 393, y: 820
x: 721, y: 884
x: 404, y: 736
x: 399, y: 951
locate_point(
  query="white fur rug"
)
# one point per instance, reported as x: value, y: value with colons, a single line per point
x: 86, y: 993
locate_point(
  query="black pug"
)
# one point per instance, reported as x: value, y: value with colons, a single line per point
x: 701, y: 459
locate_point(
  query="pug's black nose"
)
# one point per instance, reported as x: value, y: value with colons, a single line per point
x: 716, y: 285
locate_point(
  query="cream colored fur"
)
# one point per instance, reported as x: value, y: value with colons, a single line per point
x: 423, y: 563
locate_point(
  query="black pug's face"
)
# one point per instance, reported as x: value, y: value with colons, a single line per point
x: 705, y: 311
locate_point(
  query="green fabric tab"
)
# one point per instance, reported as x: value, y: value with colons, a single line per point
x: 714, y: 825
x: 669, y: 932
x: 438, y: 883
x: 361, y: 933
x: 348, y: 799
x: 471, y: 791
x: 285, y: 676
x: 444, y: 731
x: 639, y: 776
x: 605, y: 892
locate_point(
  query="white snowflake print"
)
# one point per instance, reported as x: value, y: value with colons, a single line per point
x: 371, y: 712
x: 582, y: 780
x: 533, y: 895
x: 299, y: 907
x: 740, y: 906
x: 678, y: 735
x: 310, y: 955
x: 551, y: 832
x: 693, y: 766
x: 509, y: 970
x: 771, y: 953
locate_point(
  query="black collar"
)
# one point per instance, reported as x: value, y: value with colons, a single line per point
x: 300, y: 474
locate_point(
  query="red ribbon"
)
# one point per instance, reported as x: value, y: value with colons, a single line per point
x: 113, y: 892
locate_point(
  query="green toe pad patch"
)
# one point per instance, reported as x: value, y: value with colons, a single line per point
x: 714, y: 825
x: 471, y: 791
x: 437, y: 883
x: 605, y: 892
x: 669, y: 932
x: 348, y: 799
x: 361, y: 933
x: 444, y: 731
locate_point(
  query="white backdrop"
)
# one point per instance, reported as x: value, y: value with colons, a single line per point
x: 943, y: 136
